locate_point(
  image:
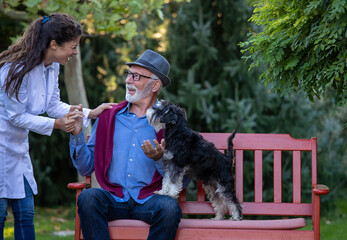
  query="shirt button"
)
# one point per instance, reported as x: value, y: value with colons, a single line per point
x: 135, y: 130
x: 129, y: 175
x: 133, y: 145
x: 131, y: 159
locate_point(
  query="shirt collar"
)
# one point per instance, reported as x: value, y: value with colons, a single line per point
x: 49, y: 67
x: 127, y: 107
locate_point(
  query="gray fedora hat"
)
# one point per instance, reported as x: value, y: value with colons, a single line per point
x: 155, y: 63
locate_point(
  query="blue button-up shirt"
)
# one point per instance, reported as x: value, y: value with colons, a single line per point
x: 130, y: 167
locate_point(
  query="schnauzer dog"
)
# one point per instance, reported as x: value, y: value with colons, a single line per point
x: 187, y: 153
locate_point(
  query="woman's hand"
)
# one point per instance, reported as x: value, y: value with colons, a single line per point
x: 68, y: 122
x: 76, y: 107
x: 96, y: 111
x: 156, y: 152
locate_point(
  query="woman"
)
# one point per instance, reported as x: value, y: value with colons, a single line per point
x: 29, y: 72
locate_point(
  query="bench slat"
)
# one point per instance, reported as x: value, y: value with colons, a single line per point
x: 296, y: 177
x: 235, y: 234
x: 183, y: 195
x: 201, y: 192
x: 251, y: 141
x: 277, y: 176
x: 124, y: 233
x: 239, y: 174
x: 314, y: 161
x: 258, y: 176
x: 251, y: 208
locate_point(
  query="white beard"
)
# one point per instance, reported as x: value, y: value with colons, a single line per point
x: 139, y: 94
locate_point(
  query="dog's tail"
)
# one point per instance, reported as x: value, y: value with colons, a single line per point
x: 230, y: 152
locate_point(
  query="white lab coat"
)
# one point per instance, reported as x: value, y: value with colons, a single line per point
x: 39, y: 93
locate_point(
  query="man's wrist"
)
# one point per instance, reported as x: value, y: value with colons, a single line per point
x: 76, y: 133
x: 77, y: 139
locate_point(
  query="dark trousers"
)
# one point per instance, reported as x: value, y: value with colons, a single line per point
x: 96, y: 207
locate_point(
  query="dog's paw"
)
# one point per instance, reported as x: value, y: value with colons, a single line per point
x: 236, y: 218
x: 217, y: 218
x: 174, y: 196
x: 174, y: 190
x: 161, y: 192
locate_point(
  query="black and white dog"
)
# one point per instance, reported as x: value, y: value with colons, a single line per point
x: 187, y: 153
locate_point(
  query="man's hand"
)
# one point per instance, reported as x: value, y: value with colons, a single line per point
x: 151, y: 152
x: 78, y: 122
x: 96, y: 111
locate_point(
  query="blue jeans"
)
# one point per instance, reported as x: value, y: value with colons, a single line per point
x: 23, y: 212
x: 96, y: 207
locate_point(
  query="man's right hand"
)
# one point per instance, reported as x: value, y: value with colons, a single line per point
x: 78, y: 122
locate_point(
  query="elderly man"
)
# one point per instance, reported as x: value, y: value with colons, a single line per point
x: 127, y: 165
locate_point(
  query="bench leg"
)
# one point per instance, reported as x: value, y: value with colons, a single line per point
x: 77, y: 219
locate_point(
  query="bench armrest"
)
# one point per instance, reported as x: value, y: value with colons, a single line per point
x: 77, y: 185
x: 80, y: 185
x: 320, y: 189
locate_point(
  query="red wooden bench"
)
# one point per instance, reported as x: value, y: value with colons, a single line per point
x: 286, y: 217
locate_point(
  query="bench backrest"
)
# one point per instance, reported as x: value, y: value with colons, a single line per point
x: 255, y: 146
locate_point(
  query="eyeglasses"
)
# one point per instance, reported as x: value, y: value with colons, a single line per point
x: 136, y: 76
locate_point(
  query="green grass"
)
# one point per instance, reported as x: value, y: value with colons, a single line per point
x: 50, y: 220
x: 47, y: 221
x: 333, y: 226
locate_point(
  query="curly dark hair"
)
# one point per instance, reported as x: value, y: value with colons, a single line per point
x: 30, y: 50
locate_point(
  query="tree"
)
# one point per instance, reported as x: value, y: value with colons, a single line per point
x: 213, y: 84
x: 105, y: 18
x: 303, y: 44
x: 209, y: 78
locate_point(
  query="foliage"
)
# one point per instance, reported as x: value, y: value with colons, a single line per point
x: 11, y: 28
x: 303, y: 44
x: 211, y: 81
x: 102, y: 21
x: 98, y: 17
x: 209, y: 78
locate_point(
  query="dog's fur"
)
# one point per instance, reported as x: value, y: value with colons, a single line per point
x: 187, y: 153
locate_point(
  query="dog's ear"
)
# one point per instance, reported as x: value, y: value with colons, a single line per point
x: 184, y: 113
x: 169, y: 117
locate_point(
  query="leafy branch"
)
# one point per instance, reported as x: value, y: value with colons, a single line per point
x: 303, y: 44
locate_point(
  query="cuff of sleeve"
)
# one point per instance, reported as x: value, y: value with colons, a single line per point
x: 160, y: 166
x: 86, y: 120
x: 77, y: 140
x: 50, y: 126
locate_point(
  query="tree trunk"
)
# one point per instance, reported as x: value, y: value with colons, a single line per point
x: 77, y: 94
